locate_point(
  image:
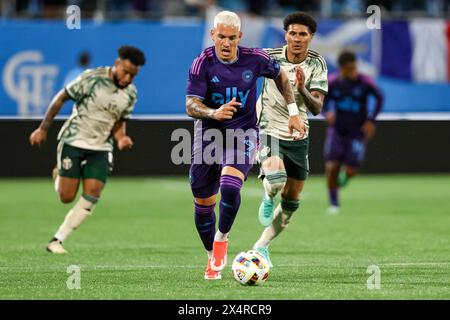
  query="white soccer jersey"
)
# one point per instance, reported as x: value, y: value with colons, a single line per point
x: 99, y: 104
x: 271, y: 106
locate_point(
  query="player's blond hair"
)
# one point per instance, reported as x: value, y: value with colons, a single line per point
x: 227, y: 18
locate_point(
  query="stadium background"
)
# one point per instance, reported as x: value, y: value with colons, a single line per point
x: 408, y: 57
x: 399, y: 220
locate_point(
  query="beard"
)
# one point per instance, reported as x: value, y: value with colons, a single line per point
x: 116, y: 82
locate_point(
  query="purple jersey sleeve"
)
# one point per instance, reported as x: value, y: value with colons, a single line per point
x: 197, y: 84
x: 376, y: 92
x: 270, y: 68
x: 328, y: 103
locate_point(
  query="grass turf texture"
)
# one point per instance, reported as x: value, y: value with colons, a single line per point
x: 141, y: 242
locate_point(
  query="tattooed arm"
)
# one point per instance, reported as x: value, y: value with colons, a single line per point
x: 195, y: 108
x: 295, y: 123
x: 285, y: 87
x: 38, y: 136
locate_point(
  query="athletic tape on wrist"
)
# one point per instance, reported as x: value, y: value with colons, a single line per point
x: 293, y: 110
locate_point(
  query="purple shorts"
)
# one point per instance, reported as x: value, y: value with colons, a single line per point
x: 349, y: 150
x: 210, y: 157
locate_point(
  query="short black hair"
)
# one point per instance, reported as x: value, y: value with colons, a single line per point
x: 133, y: 54
x: 345, y: 57
x: 300, y: 18
x: 84, y: 59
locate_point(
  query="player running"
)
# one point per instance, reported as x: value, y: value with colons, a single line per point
x: 104, y: 99
x: 350, y: 124
x: 284, y: 162
x: 221, y: 92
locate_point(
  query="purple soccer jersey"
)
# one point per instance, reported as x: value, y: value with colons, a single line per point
x: 349, y: 100
x: 217, y: 83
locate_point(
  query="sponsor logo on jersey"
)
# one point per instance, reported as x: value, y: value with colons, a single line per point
x: 230, y: 93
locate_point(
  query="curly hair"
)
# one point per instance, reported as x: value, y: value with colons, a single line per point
x: 133, y: 54
x: 300, y: 18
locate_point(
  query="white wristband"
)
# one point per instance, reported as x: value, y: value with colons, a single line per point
x: 293, y: 110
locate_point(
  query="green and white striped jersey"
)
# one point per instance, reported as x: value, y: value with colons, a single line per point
x: 99, y: 104
x: 271, y: 106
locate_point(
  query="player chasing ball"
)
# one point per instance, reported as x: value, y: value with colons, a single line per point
x: 221, y: 93
x: 283, y: 160
x: 104, y: 100
x: 351, y: 124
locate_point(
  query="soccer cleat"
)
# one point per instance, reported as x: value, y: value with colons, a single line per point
x: 265, y: 213
x: 219, y: 255
x: 211, y: 274
x: 333, y: 210
x: 342, y: 179
x: 56, y: 247
x: 265, y: 252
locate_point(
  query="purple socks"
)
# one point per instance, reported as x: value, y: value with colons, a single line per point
x: 205, y: 221
x: 230, y: 190
x: 333, y: 193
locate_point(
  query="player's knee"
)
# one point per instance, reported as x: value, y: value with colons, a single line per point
x: 94, y: 192
x: 211, y: 201
x: 66, y: 197
x: 274, y: 181
x: 290, y: 194
x: 332, y: 167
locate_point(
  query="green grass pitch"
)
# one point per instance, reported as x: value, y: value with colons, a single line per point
x: 141, y: 242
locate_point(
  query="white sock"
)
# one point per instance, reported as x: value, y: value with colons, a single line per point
x: 57, y: 183
x: 209, y: 254
x: 269, y: 193
x: 280, y: 222
x: 75, y: 217
x: 221, y: 237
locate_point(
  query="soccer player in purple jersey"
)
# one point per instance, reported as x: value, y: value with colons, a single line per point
x: 350, y: 124
x: 221, y: 93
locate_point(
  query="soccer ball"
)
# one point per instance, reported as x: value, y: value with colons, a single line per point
x: 250, y: 268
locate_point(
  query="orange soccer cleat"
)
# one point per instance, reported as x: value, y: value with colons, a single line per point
x: 219, y: 255
x: 211, y: 274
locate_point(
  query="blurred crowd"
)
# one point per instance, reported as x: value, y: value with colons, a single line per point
x: 129, y: 9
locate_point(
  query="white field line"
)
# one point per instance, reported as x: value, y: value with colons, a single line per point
x: 414, y: 264
x: 158, y: 266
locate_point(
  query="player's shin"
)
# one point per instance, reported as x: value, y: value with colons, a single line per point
x: 205, y: 222
x: 230, y: 190
x: 283, y: 214
x: 273, y: 183
x: 75, y: 217
x: 333, y: 196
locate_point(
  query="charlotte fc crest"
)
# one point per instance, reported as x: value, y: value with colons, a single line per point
x: 247, y: 76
